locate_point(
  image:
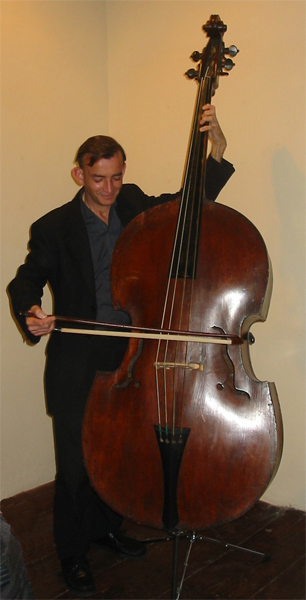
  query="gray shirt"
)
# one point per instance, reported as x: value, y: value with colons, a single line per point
x: 102, y: 239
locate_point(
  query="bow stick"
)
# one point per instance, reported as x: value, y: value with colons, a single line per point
x: 132, y: 331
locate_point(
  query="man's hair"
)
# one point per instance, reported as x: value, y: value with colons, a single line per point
x: 99, y: 146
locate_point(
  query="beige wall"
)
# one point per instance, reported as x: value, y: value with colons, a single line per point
x: 54, y: 96
x: 64, y: 79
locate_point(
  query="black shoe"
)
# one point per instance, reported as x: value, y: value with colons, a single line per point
x: 122, y: 545
x: 78, y: 577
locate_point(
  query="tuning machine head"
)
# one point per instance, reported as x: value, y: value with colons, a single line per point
x: 231, y: 51
x: 196, y: 56
x: 227, y: 63
x: 192, y: 73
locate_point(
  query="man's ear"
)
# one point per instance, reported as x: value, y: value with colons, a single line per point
x: 78, y: 175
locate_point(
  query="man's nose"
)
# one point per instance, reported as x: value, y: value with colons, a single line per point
x: 108, y: 186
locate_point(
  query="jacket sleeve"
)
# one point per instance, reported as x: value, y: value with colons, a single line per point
x: 132, y: 200
x: 217, y: 175
x: 26, y: 289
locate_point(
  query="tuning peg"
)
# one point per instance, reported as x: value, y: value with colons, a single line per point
x: 227, y: 64
x: 231, y: 51
x: 196, y: 56
x: 192, y: 73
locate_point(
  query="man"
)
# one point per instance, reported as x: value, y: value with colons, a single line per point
x: 71, y: 249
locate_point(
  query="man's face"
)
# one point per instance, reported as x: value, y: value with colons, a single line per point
x: 103, y: 181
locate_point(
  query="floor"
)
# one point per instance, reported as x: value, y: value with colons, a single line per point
x: 275, y: 569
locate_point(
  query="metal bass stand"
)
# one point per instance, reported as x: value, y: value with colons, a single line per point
x: 175, y: 536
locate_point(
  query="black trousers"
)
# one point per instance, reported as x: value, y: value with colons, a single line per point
x: 80, y: 516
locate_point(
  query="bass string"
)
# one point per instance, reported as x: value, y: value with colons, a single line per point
x: 197, y: 197
x: 189, y: 204
x: 166, y: 349
x: 163, y: 347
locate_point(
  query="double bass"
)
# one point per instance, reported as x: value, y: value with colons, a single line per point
x: 183, y: 436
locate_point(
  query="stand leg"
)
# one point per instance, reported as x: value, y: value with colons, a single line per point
x: 222, y: 542
x: 176, y: 539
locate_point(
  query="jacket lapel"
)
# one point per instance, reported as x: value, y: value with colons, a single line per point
x: 78, y: 243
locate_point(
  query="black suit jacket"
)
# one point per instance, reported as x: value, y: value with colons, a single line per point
x: 60, y: 256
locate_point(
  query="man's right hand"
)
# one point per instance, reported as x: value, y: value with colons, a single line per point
x: 39, y: 324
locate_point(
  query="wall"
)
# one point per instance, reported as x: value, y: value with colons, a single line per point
x: 54, y: 96
x: 56, y: 91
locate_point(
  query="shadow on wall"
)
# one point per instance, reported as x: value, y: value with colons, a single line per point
x: 289, y: 190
